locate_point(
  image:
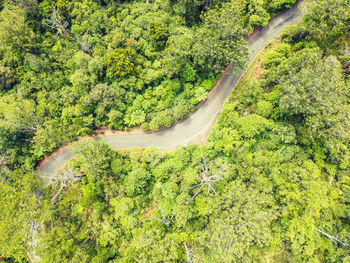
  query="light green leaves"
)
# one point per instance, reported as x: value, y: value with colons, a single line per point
x: 136, y: 117
x: 120, y: 62
x: 219, y: 40
x: 20, y: 214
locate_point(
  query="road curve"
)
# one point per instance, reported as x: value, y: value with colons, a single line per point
x: 196, y: 127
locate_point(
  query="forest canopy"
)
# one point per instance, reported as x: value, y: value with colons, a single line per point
x: 272, y: 182
x: 119, y: 64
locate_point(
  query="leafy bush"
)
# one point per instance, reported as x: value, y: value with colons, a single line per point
x: 136, y: 117
x: 162, y: 119
x: 188, y: 73
x: 136, y: 182
x: 182, y: 109
x: 115, y: 119
x: 264, y: 108
x: 6, y: 78
x: 283, y: 49
x: 272, y: 58
x: 253, y: 125
x: 207, y: 84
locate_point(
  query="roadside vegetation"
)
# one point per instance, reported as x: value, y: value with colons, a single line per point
x: 270, y: 185
x: 69, y: 67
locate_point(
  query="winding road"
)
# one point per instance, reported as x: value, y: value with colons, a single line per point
x: 194, y: 129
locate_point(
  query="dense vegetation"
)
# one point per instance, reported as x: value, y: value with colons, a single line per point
x: 68, y: 67
x: 271, y: 184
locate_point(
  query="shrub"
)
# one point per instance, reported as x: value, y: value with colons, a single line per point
x: 264, y: 108
x: 250, y: 94
x: 181, y: 110
x: 136, y: 117
x: 283, y: 49
x: 272, y: 58
x: 115, y: 119
x: 200, y: 94
x: 188, y: 73
x: 81, y: 60
x: 162, y: 119
x: 6, y: 77
x: 299, y: 46
x: 207, y: 84
x: 253, y: 125
x: 136, y: 182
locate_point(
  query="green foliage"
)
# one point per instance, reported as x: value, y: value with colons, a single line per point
x: 200, y: 94
x: 327, y: 21
x: 280, y: 154
x: 280, y: 148
x: 136, y: 182
x: 188, y: 73
x: 93, y: 158
x: 136, y: 117
x: 162, y: 119
x: 115, y: 119
x: 273, y: 58
x: 6, y: 78
x: 16, y: 36
x: 158, y: 34
x: 278, y: 5
x: 264, y: 108
x: 20, y: 214
x: 249, y: 95
x: 253, y: 125
x: 322, y: 105
x: 17, y: 114
x: 114, y: 66
x: 258, y: 15
x: 224, y: 27
x: 120, y: 62
x: 242, y: 220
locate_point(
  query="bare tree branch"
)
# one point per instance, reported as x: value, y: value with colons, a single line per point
x: 207, y: 178
x: 3, y: 159
x: 332, y: 238
x: 62, y: 179
x: 34, y: 242
x: 190, y: 256
x: 85, y: 46
x: 56, y: 22
x: 164, y: 219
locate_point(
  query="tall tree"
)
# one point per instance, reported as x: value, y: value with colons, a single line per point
x: 327, y: 20
x: 314, y: 94
x: 242, y: 220
x: 15, y: 34
x: 219, y: 40
x: 20, y: 214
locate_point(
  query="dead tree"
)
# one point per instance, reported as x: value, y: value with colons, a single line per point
x: 207, y: 178
x: 62, y: 179
x: 333, y: 238
x: 3, y: 159
x: 85, y: 46
x: 190, y: 256
x: 56, y: 22
x: 164, y: 219
x: 4, y: 170
x: 34, y: 242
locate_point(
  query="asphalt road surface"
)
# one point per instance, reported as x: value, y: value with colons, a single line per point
x: 196, y: 127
